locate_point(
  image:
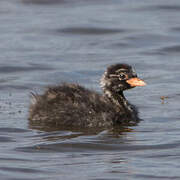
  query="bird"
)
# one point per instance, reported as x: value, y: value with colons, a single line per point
x: 70, y: 105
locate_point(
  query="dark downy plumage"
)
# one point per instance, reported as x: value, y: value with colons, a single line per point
x: 71, y: 105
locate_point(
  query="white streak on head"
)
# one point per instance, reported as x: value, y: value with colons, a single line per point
x: 121, y: 70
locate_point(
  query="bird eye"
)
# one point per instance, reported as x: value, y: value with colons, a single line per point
x: 122, y: 76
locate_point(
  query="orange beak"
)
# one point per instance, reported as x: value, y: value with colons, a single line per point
x: 133, y: 82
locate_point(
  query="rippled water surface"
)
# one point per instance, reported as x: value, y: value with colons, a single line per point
x: 45, y: 42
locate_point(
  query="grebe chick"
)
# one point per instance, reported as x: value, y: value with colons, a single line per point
x: 71, y: 105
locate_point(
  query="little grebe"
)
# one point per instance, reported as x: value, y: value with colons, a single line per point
x: 71, y: 105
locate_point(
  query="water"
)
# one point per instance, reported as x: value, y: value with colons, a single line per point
x: 45, y: 42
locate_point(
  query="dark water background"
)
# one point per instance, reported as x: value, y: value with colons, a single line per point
x: 47, y: 41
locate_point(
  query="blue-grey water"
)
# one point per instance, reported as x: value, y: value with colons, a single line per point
x: 44, y: 42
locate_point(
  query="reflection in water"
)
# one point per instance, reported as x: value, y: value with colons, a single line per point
x: 80, y: 131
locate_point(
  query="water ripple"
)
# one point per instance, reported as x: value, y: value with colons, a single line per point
x: 167, y: 8
x: 90, y: 31
x: 13, y: 69
x: 171, y: 50
x: 43, y: 2
x: 18, y: 169
x: 47, y: 41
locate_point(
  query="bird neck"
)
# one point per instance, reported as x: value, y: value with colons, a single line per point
x: 117, y: 98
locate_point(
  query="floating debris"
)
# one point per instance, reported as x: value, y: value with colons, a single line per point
x: 163, y: 98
